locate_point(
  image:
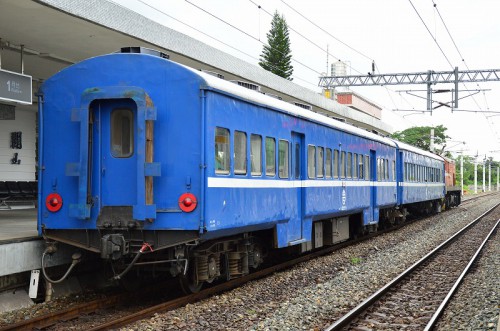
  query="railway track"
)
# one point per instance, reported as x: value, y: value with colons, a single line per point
x: 416, y: 298
x: 85, y: 309
x: 138, y: 313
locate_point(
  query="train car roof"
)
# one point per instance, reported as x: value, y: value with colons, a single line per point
x: 224, y: 86
x: 413, y: 149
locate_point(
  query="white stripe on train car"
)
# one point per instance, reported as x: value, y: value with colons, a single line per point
x: 220, y: 182
x: 407, y: 184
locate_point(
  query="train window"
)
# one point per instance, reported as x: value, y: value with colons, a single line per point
x: 222, y: 151
x: 283, y: 158
x: 386, y: 169
x: 328, y: 163
x: 270, y: 156
x: 360, y: 166
x: 240, y: 153
x: 311, y: 161
x: 335, y: 163
x: 256, y: 154
x: 297, y: 161
x: 367, y: 167
x: 379, y: 166
x: 320, y: 162
x: 354, y: 165
x: 393, y: 170
x: 349, y: 165
x: 342, y: 164
x: 122, y: 133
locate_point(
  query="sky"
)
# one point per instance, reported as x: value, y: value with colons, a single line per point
x: 401, y: 36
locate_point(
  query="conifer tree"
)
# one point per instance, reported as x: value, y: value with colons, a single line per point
x: 276, y: 55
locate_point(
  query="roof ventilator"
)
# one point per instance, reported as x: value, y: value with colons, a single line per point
x: 213, y: 73
x: 144, y: 50
x: 247, y: 85
x: 303, y: 105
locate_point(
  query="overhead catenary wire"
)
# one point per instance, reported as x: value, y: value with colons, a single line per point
x: 464, y: 62
x: 297, y: 32
x: 212, y: 37
x: 328, y: 33
x: 388, y: 90
x: 249, y: 35
x: 432, y: 36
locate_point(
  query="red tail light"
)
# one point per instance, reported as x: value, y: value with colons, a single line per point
x: 187, y: 202
x: 53, y: 202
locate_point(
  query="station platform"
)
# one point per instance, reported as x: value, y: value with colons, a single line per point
x: 20, y: 246
x: 16, y: 224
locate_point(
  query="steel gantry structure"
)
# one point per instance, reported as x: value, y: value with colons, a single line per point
x: 429, y: 78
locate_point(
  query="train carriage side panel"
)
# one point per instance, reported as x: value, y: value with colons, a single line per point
x: 421, y: 175
x: 239, y: 199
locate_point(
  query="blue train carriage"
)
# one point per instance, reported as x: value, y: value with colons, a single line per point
x: 311, y: 179
x: 140, y: 154
x: 421, y: 188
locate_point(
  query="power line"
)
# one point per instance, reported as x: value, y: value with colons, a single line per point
x: 328, y: 33
x: 463, y: 60
x: 433, y: 38
x: 292, y: 29
x: 213, y: 38
x: 388, y: 90
x: 263, y: 43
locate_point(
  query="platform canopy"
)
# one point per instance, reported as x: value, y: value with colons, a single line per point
x: 58, y: 33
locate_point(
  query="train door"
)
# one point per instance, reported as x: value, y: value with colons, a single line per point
x: 116, y: 166
x: 298, y: 174
x: 400, y: 177
x: 373, y: 186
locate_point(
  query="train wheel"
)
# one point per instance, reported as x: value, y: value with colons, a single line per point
x: 189, y: 286
x: 189, y: 282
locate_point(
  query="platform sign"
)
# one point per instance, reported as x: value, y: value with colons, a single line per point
x: 15, y: 87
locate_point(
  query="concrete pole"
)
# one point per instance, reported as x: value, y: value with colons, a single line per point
x: 431, y: 147
x: 484, y: 175
x: 461, y: 174
x: 498, y: 183
x: 475, y: 176
x: 489, y: 176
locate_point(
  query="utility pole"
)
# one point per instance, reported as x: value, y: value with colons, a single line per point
x: 489, y: 176
x: 462, y: 174
x: 475, y: 175
x: 498, y: 173
x: 431, y: 147
x: 484, y: 174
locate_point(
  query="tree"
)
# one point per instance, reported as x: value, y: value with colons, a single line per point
x: 420, y: 136
x: 276, y: 56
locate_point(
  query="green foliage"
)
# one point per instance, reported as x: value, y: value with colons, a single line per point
x: 276, y: 56
x: 355, y: 260
x: 420, y: 136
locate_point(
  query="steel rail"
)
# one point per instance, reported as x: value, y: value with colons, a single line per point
x: 442, y: 306
x: 234, y: 283
x: 355, y: 312
x: 45, y: 321
x: 50, y: 319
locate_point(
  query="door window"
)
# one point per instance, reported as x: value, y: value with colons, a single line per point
x: 122, y: 133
